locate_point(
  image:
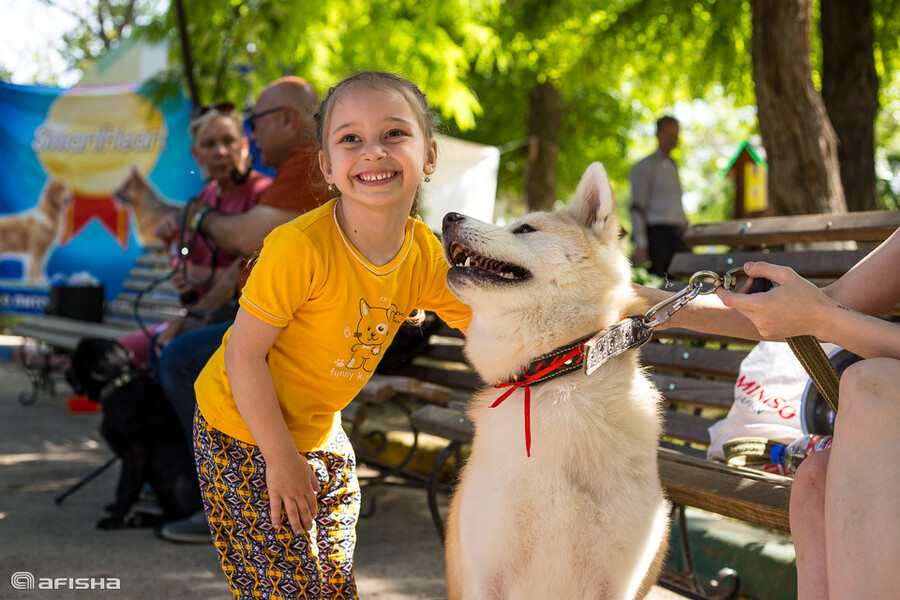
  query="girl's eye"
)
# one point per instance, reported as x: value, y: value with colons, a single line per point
x: 396, y: 133
x: 526, y: 228
x: 349, y: 138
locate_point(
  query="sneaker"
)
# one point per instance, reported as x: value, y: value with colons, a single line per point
x: 190, y: 530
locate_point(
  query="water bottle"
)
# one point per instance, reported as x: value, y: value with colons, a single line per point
x: 791, y: 455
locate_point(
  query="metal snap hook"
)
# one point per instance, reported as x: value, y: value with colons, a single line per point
x: 700, y: 277
x: 730, y: 280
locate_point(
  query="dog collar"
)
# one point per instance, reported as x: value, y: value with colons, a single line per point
x: 116, y: 383
x: 590, y: 353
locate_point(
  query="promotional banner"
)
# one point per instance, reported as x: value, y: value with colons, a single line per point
x: 83, y: 176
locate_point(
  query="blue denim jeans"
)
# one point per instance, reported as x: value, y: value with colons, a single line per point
x: 179, y: 365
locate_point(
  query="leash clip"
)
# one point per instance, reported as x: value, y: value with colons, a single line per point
x: 676, y: 302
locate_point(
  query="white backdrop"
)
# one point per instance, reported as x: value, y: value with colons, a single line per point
x: 465, y: 182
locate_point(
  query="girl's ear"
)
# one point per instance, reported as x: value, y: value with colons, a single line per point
x: 430, y: 158
x: 325, y: 166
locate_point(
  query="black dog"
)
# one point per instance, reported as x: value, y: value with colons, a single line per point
x: 142, y: 428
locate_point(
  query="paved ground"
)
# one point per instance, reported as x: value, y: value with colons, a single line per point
x: 44, y: 448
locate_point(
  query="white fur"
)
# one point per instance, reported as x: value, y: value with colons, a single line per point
x: 584, y: 516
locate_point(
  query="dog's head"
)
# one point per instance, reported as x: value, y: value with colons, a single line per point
x: 133, y: 190
x: 95, y: 363
x: 547, y: 278
x: 56, y: 196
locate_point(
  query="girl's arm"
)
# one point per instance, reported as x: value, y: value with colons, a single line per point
x: 290, y: 481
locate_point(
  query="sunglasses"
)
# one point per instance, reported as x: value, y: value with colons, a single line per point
x: 222, y: 107
x: 251, y: 118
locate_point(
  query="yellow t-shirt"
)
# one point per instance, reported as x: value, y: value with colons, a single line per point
x: 338, y: 314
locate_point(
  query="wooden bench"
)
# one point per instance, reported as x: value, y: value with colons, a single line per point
x: 695, y: 373
x: 55, y: 335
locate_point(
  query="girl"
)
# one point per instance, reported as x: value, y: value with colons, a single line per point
x: 324, y: 301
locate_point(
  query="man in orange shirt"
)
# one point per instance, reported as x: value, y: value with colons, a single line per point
x: 282, y: 126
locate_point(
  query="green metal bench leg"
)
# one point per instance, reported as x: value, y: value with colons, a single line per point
x: 724, y: 586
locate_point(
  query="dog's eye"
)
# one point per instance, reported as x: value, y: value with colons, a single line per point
x: 526, y: 228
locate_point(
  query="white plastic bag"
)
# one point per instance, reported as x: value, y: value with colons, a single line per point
x: 767, y: 398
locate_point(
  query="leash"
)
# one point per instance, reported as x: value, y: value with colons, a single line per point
x: 180, y: 263
x: 633, y: 331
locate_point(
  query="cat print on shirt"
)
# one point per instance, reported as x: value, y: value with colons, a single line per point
x: 373, y: 329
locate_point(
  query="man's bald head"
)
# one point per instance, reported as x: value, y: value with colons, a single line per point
x: 292, y: 91
x: 283, y: 118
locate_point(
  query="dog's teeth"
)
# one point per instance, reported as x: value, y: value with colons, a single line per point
x: 468, y: 262
x: 507, y: 276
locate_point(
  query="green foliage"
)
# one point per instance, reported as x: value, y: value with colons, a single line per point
x: 102, y: 26
x: 619, y: 65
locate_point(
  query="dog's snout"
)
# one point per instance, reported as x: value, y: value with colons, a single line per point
x: 451, y: 219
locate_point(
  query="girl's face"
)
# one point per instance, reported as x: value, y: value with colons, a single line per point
x: 219, y: 148
x: 377, y: 153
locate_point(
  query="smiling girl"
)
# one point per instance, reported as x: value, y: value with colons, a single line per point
x: 325, y: 299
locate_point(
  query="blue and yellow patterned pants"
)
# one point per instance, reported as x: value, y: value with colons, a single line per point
x: 259, y: 561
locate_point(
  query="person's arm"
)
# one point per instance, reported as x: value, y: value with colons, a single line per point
x: 240, y: 234
x: 290, y: 480
x: 872, y: 286
x: 797, y: 307
x: 705, y: 313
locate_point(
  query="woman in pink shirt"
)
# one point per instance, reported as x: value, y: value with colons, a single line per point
x: 221, y: 150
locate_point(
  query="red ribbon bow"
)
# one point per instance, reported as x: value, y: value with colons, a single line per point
x: 540, y: 372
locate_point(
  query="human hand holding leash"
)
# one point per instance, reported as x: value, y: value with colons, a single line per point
x: 793, y: 307
x: 167, y: 227
x: 292, y: 483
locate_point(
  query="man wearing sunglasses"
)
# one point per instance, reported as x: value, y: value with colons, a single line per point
x: 282, y: 126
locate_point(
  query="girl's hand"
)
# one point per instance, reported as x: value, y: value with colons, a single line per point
x: 793, y: 307
x: 292, y: 484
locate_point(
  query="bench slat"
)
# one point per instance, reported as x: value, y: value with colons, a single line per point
x: 871, y: 226
x: 693, y: 360
x: 463, y: 380
x: 685, y: 427
x: 746, y: 494
x: 690, y: 391
x: 444, y: 422
x: 813, y: 263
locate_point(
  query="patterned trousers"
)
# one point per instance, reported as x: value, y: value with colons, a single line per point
x: 259, y: 561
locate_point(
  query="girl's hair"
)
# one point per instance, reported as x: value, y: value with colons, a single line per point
x: 380, y: 81
x: 200, y: 123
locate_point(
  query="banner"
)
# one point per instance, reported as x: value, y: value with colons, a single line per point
x: 83, y: 175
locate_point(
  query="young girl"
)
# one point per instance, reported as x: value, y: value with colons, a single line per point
x: 323, y: 302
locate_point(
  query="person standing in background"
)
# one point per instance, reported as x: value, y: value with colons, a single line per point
x: 657, y: 215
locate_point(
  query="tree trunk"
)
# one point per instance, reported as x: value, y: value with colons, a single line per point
x: 544, y: 127
x: 850, y: 92
x: 801, y: 147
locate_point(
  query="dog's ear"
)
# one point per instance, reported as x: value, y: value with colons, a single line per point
x: 594, y: 206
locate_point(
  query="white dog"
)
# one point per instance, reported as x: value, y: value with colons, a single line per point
x: 584, y: 515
